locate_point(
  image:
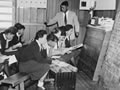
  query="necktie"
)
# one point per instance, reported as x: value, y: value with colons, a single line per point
x: 65, y: 19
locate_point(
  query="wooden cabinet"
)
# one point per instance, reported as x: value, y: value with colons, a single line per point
x: 92, y: 55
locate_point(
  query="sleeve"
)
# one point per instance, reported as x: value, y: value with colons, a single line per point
x: 76, y: 23
x: 53, y: 20
x: 39, y: 58
x: 2, y: 50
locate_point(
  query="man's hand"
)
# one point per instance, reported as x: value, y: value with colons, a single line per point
x: 45, y: 24
x: 76, y: 34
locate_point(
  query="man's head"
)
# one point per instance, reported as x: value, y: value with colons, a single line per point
x: 52, y: 40
x: 41, y: 36
x: 57, y: 32
x: 10, y: 32
x: 20, y: 28
x: 64, y: 6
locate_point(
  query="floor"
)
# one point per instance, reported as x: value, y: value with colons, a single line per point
x: 83, y: 82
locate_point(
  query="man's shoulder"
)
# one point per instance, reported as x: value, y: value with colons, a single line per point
x: 71, y: 12
x: 59, y: 13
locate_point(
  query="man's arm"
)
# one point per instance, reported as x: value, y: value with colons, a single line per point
x: 39, y: 58
x: 53, y: 21
x: 76, y: 25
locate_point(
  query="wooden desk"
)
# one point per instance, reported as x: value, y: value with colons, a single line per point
x: 65, y: 76
x: 75, y: 54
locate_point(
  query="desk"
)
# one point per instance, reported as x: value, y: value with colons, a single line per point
x: 74, y: 53
x: 65, y: 76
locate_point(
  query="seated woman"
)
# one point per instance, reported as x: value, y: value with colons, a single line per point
x: 5, y: 38
x: 17, y: 39
x: 33, y: 58
x: 52, y: 42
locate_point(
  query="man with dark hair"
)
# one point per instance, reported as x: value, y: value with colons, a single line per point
x: 5, y: 38
x: 17, y: 39
x: 33, y: 58
x: 67, y: 17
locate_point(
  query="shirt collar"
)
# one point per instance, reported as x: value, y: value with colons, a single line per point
x: 18, y: 34
x: 5, y: 37
x: 38, y: 43
x: 66, y: 12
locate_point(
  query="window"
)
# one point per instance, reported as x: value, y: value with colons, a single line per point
x: 6, y: 13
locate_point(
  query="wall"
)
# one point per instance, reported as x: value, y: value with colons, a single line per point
x: 111, y: 66
x: 108, y: 13
x: 34, y: 18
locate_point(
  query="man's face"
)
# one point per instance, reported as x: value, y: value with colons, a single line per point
x: 63, y: 8
x: 21, y: 31
x: 9, y: 36
x: 52, y: 43
x: 58, y: 34
x: 62, y: 38
x: 43, y: 40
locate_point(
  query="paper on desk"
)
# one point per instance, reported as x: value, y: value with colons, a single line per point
x: 3, y: 58
x: 76, y: 46
x: 12, y: 59
x: 55, y: 56
x: 60, y: 63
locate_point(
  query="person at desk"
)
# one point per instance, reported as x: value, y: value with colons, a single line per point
x: 17, y: 42
x: 52, y: 46
x: 5, y: 38
x: 52, y: 41
x: 63, y: 41
x: 60, y: 33
x: 35, y: 55
x: 66, y: 17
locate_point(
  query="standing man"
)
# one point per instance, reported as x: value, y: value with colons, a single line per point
x: 65, y: 17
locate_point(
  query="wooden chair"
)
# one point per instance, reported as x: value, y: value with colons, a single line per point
x: 16, y: 81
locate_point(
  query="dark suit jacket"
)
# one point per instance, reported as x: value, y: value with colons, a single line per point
x: 15, y: 40
x: 33, y: 61
x: 32, y: 52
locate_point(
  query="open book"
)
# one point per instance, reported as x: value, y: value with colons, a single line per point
x: 67, y: 50
x: 73, y: 48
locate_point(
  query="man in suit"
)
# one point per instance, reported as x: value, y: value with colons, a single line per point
x: 67, y: 17
x: 33, y: 58
x: 5, y: 38
x: 17, y: 39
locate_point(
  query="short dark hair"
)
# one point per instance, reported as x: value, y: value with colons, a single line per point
x: 40, y: 34
x: 65, y: 3
x: 63, y: 30
x: 56, y: 30
x: 11, y: 30
x: 19, y: 26
x: 52, y: 37
x: 68, y: 27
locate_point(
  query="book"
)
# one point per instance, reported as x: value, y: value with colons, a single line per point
x: 76, y: 46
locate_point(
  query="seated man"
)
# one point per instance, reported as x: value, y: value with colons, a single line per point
x: 52, y: 45
x: 33, y: 58
x: 5, y: 38
x: 53, y: 49
x: 63, y: 41
x: 17, y: 39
